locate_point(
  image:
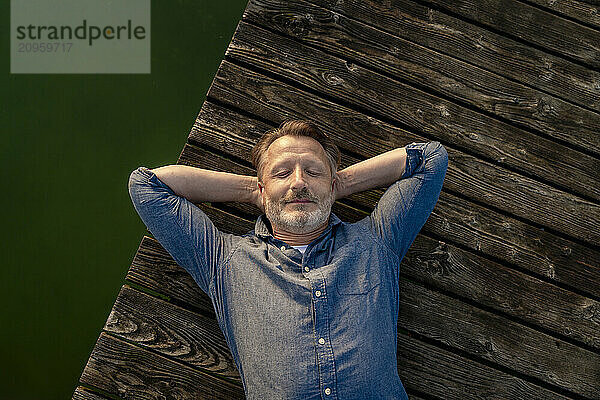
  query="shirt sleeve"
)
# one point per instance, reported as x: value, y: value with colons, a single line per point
x: 185, y: 232
x: 405, y: 206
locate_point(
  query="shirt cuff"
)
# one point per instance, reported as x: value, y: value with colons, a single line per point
x: 414, y: 159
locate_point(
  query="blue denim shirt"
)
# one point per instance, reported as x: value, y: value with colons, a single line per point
x: 318, y: 325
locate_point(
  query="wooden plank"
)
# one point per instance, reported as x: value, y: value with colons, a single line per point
x: 130, y: 372
x: 172, y: 331
x: 468, y: 84
x: 438, y: 372
x: 539, y: 27
x: 510, y: 292
x: 167, y: 276
x: 471, y: 177
x: 498, y: 340
x: 469, y: 224
x: 509, y: 240
x: 362, y: 89
x: 587, y: 13
x: 412, y: 396
x: 82, y: 393
x: 477, y: 46
x: 477, y: 278
x: 180, y: 287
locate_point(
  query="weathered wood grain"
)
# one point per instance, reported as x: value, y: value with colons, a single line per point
x: 131, y: 372
x: 547, y: 255
x: 504, y: 290
x: 467, y: 175
x: 412, y: 396
x: 82, y: 393
x: 182, y: 289
x: 359, y: 43
x: 165, y: 270
x: 172, y: 331
x: 531, y: 200
x: 421, y: 112
x: 532, y: 25
x: 445, y: 375
x: 461, y: 221
x: 581, y: 11
x: 477, y: 46
x: 499, y: 340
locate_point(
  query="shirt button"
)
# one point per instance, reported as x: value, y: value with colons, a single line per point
x: 327, y: 391
x: 306, y: 269
x: 318, y: 293
x: 322, y: 341
x: 282, y: 248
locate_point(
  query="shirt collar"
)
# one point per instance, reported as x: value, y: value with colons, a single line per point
x: 261, y: 228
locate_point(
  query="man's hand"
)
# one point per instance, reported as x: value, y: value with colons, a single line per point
x: 339, y: 187
x: 257, y: 197
x: 201, y: 185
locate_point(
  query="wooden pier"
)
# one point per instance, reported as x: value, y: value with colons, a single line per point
x: 500, y: 291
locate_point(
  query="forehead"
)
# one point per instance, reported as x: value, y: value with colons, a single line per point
x: 295, y: 147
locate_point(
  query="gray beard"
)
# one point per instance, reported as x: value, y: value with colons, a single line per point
x: 300, y: 220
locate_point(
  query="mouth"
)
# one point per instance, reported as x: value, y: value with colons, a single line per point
x: 300, y: 201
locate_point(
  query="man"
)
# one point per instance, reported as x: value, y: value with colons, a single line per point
x: 308, y: 304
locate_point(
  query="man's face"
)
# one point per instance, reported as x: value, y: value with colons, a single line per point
x: 297, y: 186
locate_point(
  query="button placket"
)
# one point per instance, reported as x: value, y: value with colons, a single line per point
x: 324, y: 349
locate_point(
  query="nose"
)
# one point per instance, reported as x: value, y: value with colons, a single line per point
x: 299, y: 181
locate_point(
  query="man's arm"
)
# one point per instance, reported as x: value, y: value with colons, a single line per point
x: 200, y: 185
x: 182, y: 228
x: 378, y: 171
x: 407, y: 203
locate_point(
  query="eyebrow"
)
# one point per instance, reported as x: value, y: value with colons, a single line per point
x: 311, y: 163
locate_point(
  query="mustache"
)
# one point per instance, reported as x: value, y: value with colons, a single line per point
x: 304, y: 194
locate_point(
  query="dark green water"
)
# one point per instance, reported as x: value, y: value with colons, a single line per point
x: 69, y: 230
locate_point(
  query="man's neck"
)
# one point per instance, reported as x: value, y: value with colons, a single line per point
x: 299, y: 239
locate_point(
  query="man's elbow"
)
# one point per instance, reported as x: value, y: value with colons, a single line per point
x: 137, y: 178
x: 437, y: 157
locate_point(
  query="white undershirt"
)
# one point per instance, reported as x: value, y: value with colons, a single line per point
x: 301, y: 248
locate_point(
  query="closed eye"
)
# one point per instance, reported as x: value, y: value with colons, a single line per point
x: 282, y: 174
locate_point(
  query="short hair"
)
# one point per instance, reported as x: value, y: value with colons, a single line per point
x: 295, y: 127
